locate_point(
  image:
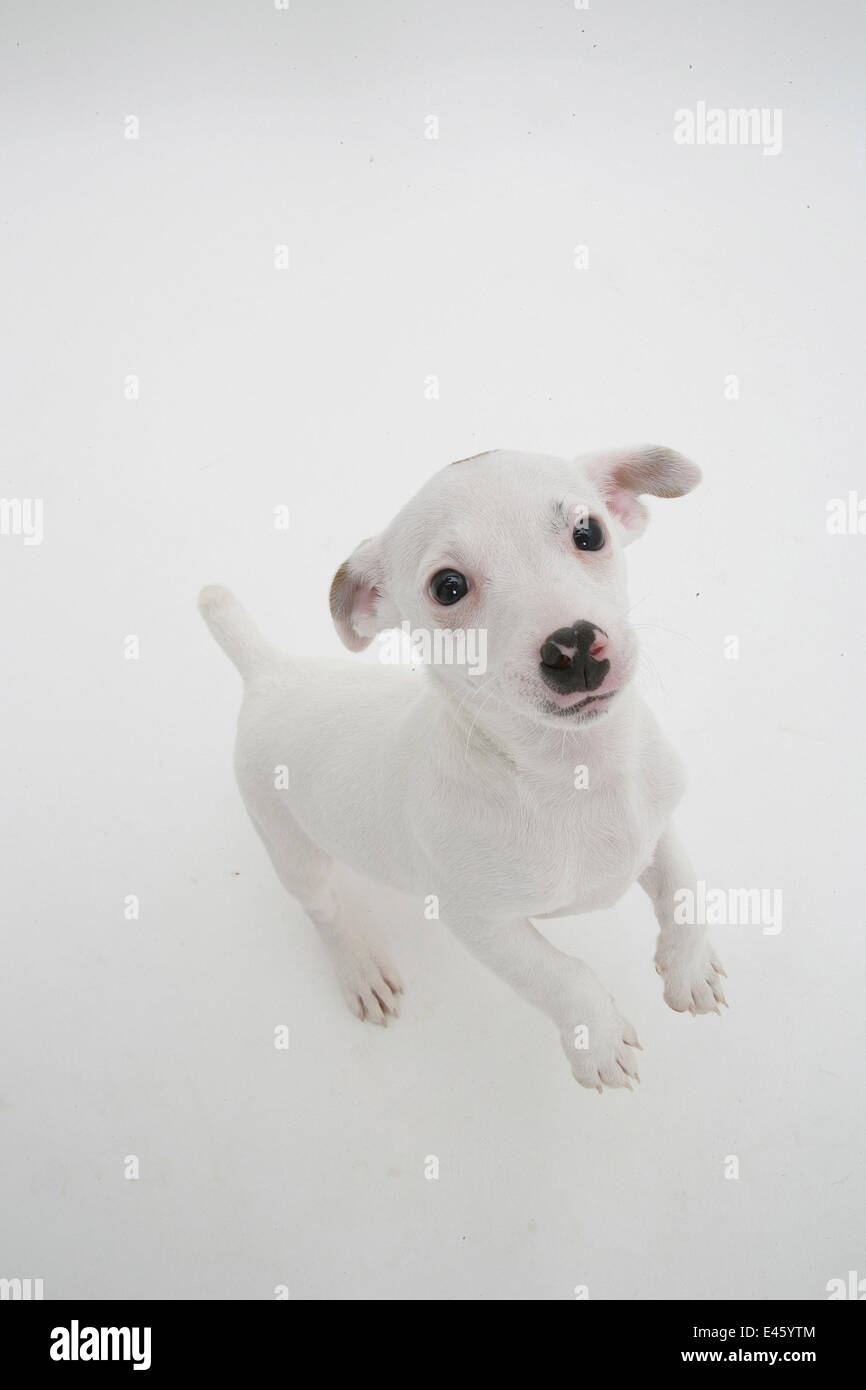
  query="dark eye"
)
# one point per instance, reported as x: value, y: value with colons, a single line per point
x: 588, y: 535
x: 448, y: 587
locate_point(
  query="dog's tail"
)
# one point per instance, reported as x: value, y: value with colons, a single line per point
x: 236, y: 632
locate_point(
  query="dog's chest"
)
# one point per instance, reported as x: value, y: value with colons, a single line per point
x: 588, y: 851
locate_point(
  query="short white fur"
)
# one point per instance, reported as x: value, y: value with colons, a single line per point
x: 441, y: 783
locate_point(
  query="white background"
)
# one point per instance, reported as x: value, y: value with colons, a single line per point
x: 306, y: 387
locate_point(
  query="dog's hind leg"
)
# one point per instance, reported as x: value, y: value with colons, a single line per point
x: 370, y: 984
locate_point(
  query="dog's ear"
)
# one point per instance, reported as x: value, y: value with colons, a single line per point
x: 622, y: 476
x: 357, y: 597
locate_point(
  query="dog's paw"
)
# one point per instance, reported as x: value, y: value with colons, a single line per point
x: 370, y: 984
x: 600, y: 1045
x: 692, y: 976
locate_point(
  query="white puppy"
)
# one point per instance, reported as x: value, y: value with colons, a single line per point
x: 459, y: 785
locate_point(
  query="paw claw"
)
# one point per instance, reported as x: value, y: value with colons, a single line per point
x: 691, y: 974
x: 371, y: 991
x: 603, y: 1058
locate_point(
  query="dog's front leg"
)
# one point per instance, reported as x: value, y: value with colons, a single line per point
x: 684, y: 958
x: 598, y: 1041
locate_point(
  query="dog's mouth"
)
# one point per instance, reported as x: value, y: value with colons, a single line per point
x: 587, y: 707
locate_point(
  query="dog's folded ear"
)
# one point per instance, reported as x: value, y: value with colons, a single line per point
x: 622, y: 476
x: 357, y: 597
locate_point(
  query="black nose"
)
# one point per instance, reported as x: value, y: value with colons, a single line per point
x: 566, y: 664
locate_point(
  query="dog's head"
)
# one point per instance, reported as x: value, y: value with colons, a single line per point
x: 524, y: 552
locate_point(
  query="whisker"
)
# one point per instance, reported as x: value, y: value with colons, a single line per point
x: 671, y: 631
x: 491, y: 681
x: 472, y: 692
